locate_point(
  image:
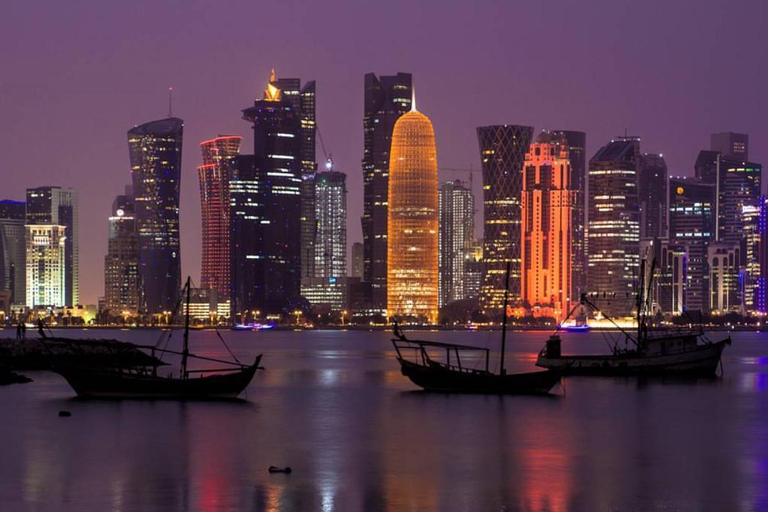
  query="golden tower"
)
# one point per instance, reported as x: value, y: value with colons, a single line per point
x: 412, y: 273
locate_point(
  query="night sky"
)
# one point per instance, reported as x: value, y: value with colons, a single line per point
x: 77, y: 75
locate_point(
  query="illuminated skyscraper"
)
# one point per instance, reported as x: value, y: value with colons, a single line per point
x: 386, y: 99
x: 13, y: 251
x: 302, y: 100
x: 652, y: 189
x: 457, y: 229
x: 412, y: 259
x: 121, y: 264
x: 502, y: 150
x: 46, y: 263
x: 277, y: 169
x: 59, y: 206
x: 547, y: 227
x: 614, y: 225
x: 215, y: 173
x: 155, y: 151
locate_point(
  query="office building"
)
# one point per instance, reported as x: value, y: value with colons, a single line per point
x: 652, y: 190
x: 614, y: 226
x: 546, y: 228
x: 46, y: 265
x: 357, y: 260
x: 386, y: 99
x: 277, y: 166
x: 121, y: 264
x: 456, y: 233
x: 734, y: 146
x: 724, y: 289
x: 215, y: 174
x: 155, y: 153
x: 412, y: 259
x: 502, y: 151
x: 59, y: 206
x: 13, y: 252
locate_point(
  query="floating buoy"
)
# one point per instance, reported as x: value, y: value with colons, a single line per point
x: 275, y: 469
x: 64, y: 414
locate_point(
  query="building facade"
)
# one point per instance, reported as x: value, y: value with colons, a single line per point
x: 547, y: 228
x: 456, y: 233
x: 121, y: 264
x: 652, y: 191
x: 386, y: 99
x: 59, y: 206
x: 13, y: 252
x: 155, y: 153
x: 731, y: 145
x: 412, y: 259
x: 46, y: 265
x: 502, y: 151
x: 214, y: 175
x: 614, y: 226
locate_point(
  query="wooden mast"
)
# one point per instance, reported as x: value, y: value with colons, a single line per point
x: 504, y: 322
x: 185, y: 351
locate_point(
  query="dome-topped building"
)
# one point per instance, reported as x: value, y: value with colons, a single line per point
x: 412, y: 269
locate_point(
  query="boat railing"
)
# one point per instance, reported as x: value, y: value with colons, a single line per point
x: 421, y: 351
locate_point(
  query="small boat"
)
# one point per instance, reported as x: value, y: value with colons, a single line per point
x: 647, y: 352
x: 145, y: 382
x: 455, y: 376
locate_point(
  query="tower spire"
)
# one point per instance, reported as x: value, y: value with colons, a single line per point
x: 170, y: 102
x: 413, y: 98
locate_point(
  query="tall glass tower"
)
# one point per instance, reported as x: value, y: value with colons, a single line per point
x: 502, y: 150
x: 456, y: 234
x: 412, y: 259
x: 121, y: 264
x: 218, y: 158
x: 155, y: 152
x: 386, y: 99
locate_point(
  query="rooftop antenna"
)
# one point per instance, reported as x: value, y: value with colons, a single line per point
x: 413, y: 98
x: 170, y: 102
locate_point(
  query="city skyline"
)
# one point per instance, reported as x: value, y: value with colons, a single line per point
x: 674, y: 104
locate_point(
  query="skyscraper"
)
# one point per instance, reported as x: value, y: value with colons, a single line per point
x: 502, y: 150
x: 302, y: 100
x: 731, y: 145
x: 13, y: 251
x: 59, y: 206
x: 577, y: 145
x: 46, y: 265
x: 692, y: 225
x: 652, y: 189
x: 121, y: 264
x: 614, y: 225
x: 277, y: 167
x: 386, y: 99
x: 218, y: 158
x: 155, y: 152
x: 547, y: 227
x: 456, y: 233
x: 357, y: 260
x: 412, y: 259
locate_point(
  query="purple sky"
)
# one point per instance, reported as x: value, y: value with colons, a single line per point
x: 77, y: 75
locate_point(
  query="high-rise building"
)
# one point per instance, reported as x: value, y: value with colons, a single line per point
x: 218, y: 158
x: 692, y: 225
x: 652, y: 189
x: 577, y: 144
x: 456, y: 233
x: 473, y: 269
x: 614, y: 226
x: 155, y: 152
x: 724, y: 287
x: 731, y: 145
x: 412, y: 259
x: 328, y: 286
x: 13, y: 251
x: 46, y: 265
x: 762, y: 282
x: 121, y: 264
x: 547, y: 227
x: 59, y: 206
x: 386, y: 99
x: 357, y: 260
x: 502, y: 150
x: 246, y: 196
x: 302, y: 100
x: 277, y: 166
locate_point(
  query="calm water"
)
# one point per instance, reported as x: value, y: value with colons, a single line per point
x: 334, y: 407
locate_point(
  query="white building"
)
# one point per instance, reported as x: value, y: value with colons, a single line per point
x: 46, y: 280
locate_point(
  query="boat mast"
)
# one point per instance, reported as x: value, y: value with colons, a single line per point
x: 640, y: 302
x: 504, y: 322
x: 185, y: 350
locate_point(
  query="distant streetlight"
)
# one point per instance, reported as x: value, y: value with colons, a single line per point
x: 298, y: 315
x: 343, y: 314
